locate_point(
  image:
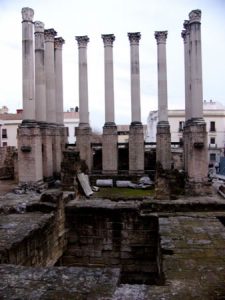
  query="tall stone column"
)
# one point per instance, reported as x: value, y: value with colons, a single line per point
x: 50, y: 75
x: 83, y: 81
x: 83, y: 131
x: 40, y: 90
x: 163, y: 137
x: 28, y: 64
x: 109, y: 139
x: 59, y: 136
x: 59, y: 80
x: 136, y: 134
x: 195, y: 135
x: 196, y: 91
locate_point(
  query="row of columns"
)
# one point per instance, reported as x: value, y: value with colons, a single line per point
x: 83, y: 132
x: 41, y: 136
x: 195, y: 135
x: 42, y: 73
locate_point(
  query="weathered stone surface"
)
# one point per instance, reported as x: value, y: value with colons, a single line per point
x: 57, y: 283
x: 7, y: 162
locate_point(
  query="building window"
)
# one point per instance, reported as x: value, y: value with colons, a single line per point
x: 4, y: 133
x: 212, y: 140
x: 212, y: 156
x: 4, y: 144
x: 181, y: 126
x: 212, y: 126
x: 67, y: 131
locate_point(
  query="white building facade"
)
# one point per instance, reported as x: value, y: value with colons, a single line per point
x: 214, y: 115
x: 9, y: 124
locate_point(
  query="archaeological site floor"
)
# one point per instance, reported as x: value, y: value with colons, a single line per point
x: 57, y: 247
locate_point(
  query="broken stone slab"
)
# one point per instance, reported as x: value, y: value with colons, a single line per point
x: 145, y: 180
x: 104, y: 182
x: 85, y: 184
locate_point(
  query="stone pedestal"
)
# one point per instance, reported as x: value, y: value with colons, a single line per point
x: 109, y: 150
x: 136, y: 149
x: 29, y: 153
x: 196, y: 155
x: 163, y: 148
x: 83, y: 142
x: 57, y: 152
x: 47, y: 151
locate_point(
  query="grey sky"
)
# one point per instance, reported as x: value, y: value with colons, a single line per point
x: 93, y: 18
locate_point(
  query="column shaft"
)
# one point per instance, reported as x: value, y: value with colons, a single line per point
x: 109, y: 81
x: 162, y: 76
x: 40, y: 90
x: 59, y: 80
x: 50, y: 75
x: 135, y: 77
x: 196, y: 64
x: 83, y: 81
x: 28, y: 64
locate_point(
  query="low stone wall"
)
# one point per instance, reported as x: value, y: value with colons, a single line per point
x: 37, y: 237
x: 7, y: 162
x: 113, y: 235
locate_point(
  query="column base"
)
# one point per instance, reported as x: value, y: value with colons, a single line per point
x: 83, y: 142
x: 109, y: 149
x: 136, y: 149
x: 163, y: 145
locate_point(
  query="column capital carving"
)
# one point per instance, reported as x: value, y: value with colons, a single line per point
x: 82, y: 41
x: 50, y: 35
x: 195, y: 16
x: 39, y: 27
x: 58, y: 42
x: 161, y: 36
x: 108, y: 39
x: 134, y: 37
x: 27, y: 14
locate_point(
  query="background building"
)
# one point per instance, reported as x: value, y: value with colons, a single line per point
x: 214, y: 115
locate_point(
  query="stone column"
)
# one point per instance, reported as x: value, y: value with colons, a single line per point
x: 186, y: 37
x: 83, y: 81
x: 195, y: 65
x: 134, y: 38
x: 59, y: 80
x: 40, y: 90
x: 195, y: 135
x: 163, y: 138
x: 28, y: 64
x: 83, y: 132
x: 50, y: 75
x: 109, y: 141
x: 136, y: 134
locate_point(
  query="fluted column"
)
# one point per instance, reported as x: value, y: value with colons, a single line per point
x: 40, y: 90
x: 134, y: 38
x: 161, y: 37
x: 59, y: 80
x: 28, y: 64
x: 196, y: 64
x: 50, y: 75
x: 108, y: 40
x: 186, y: 37
x: 163, y: 137
x: 83, y: 81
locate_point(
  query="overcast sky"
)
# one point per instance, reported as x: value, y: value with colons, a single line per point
x: 95, y: 17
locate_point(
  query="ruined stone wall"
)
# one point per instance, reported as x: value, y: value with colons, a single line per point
x: 36, y: 237
x: 7, y: 162
x: 114, y: 237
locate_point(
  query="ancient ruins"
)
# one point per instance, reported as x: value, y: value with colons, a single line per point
x: 59, y: 244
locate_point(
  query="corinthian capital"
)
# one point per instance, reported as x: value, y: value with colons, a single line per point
x: 82, y: 41
x: 161, y: 36
x: 50, y: 35
x: 108, y: 39
x: 195, y: 16
x: 39, y: 27
x: 27, y: 14
x: 134, y: 37
x: 58, y: 42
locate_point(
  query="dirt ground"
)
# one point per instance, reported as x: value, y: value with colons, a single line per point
x: 6, y: 186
